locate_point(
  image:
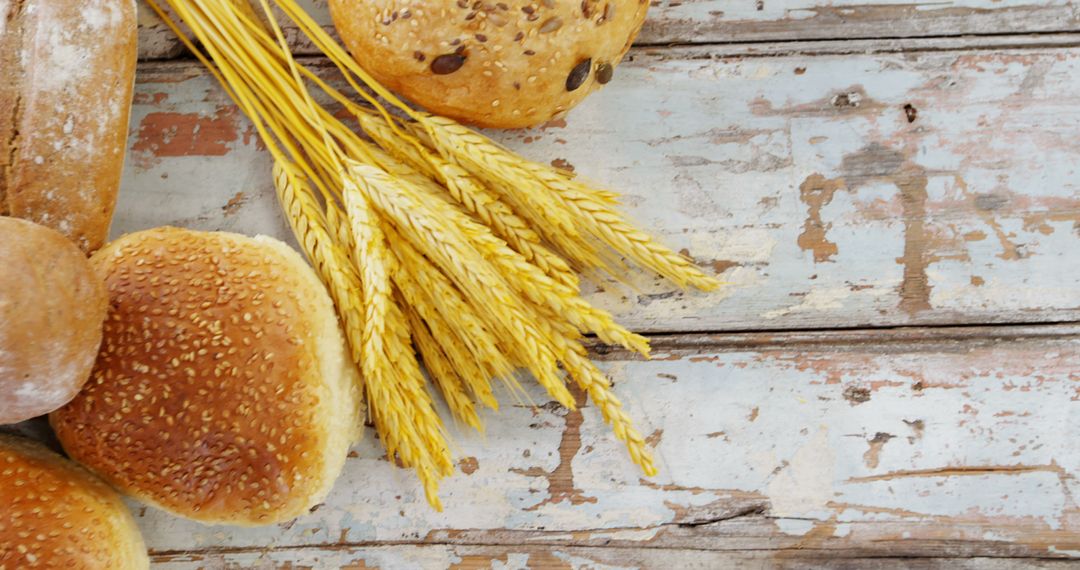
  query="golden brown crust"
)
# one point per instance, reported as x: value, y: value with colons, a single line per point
x: 218, y: 391
x: 66, y: 98
x: 52, y: 305
x: 492, y: 63
x: 57, y: 515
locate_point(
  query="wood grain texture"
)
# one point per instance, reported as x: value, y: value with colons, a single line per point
x: 562, y: 558
x: 912, y: 177
x: 719, y: 21
x: 830, y: 191
x: 773, y: 448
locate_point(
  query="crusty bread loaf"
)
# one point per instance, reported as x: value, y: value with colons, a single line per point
x: 66, y: 84
x: 52, y: 305
x: 55, y: 514
x: 512, y: 63
x: 223, y: 391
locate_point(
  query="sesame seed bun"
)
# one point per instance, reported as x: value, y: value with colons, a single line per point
x: 51, y: 309
x: 507, y: 64
x: 223, y: 391
x: 56, y: 514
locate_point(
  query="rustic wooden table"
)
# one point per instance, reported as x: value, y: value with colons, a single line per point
x: 893, y: 375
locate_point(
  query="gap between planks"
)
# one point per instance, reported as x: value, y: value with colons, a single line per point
x: 795, y: 552
x: 783, y: 48
x: 867, y: 46
x: 842, y: 337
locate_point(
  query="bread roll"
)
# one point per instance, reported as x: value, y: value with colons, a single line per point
x: 52, y: 305
x: 223, y: 391
x: 68, y: 69
x: 55, y: 514
x: 512, y: 63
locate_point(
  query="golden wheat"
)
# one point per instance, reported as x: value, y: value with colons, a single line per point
x: 448, y: 247
x: 474, y: 197
x: 596, y: 385
x: 469, y: 343
x: 593, y: 210
x: 536, y: 286
x: 443, y: 372
x: 433, y: 239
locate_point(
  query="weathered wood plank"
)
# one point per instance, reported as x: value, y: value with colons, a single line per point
x: 718, y: 21
x: 563, y: 558
x: 707, y: 21
x: 834, y: 190
x: 932, y: 443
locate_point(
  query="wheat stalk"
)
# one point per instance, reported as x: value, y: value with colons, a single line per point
x: 433, y: 238
x: 471, y: 273
x: 480, y: 158
x: 390, y: 412
x: 474, y: 197
x: 596, y: 385
x: 387, y: 349
x: 612, y: 228
x: 537, y: 286
x: 442, y: 371
x: 517, y: 192
x: 583, y: 205
x: 468, y: 343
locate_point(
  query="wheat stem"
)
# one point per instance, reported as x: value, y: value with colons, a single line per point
x: 449, y: 248
x: 443, y: 372
x: 390, y: 409
x: 474, y: 197
x: 596, y: 385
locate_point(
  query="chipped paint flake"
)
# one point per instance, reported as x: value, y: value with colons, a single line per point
x: 805, y: 486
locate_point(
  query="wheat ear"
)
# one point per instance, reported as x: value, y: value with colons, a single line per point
x: 611, y: 227
x: 584, y: 205
x: 389, y: 409
x: 468, y: 343
x: 442, y: 372
x: 596, y: 385
x: 476, y: 198
x: 481, y: 158
x: 446, y: 245
x: 388, y: 354
x: 519, y: 192
x: 540, y: 289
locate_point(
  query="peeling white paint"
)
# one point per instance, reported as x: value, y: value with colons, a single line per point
x: 817, y: 299
x: 739, y: 202
x: 754, y: 245
x: 795, y: 527
x: 805, y: 486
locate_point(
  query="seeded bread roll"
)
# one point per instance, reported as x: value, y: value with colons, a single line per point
x: 507, y: 64
x: 223, y: 391
x: 55, y: 514
x: 67, y: 70
x: 52, y: 305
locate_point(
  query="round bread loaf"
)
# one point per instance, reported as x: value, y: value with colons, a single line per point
x: 223, y: 391
x: 51, y: 309
x: 510, y: 63
x: 55, y: 514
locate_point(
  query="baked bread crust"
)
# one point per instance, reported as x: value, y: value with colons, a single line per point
x: 57, y: 515
x: 69, y: 69
x: 507, y: 64
x: 52, y: 306
x: 223, y: 391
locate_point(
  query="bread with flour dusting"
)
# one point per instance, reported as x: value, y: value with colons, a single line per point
x: 68, y: 69
x: 52, y: 306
